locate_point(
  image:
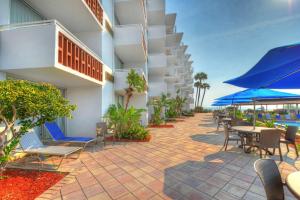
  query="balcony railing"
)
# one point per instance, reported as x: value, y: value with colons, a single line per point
x: 96, y: 8
x: 74, y: 57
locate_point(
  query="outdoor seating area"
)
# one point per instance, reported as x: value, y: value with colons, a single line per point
x: 184, y: 162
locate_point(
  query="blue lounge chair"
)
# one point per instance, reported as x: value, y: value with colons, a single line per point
x: 278, y: 117
x: 31, y: 144
x: 268, y: 116
x: 59, y: 136
x: 298, y: 116
x: 260, y: 116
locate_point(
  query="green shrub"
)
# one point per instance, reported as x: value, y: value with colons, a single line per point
x: 126, y: 123
x: 270, y: 124
x: 27, y: 104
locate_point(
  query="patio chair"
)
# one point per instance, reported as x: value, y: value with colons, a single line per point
x: 231, y: 136
x: 260, y: 116
x: 58, y: 136
x: 268, y: 116
x: 290, y: 137
x: 101, y: 130
x: 31, y: 144
x: 298, y: 116
x: 219, y: 122
x: 278, y: 117
x: 269, y: 175
x: 269, y: 138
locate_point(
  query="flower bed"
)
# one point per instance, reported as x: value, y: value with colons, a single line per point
x: 162, y: 126
x: 26, y: 184
x: 111, y: 139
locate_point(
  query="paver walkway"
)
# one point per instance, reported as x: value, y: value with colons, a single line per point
x: 185, y: 162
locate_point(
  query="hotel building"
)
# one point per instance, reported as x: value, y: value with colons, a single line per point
x: 86, y: 49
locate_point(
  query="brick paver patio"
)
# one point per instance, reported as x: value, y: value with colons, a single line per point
x: 185, y: 162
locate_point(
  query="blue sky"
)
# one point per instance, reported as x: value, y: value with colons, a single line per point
x: 228, y: 37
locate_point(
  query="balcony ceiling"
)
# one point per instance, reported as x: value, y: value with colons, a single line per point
x: 123, y: 8
x: 73, y: 14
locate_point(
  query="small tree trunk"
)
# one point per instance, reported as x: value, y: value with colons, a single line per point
x: 129, y: 94
x: 196, y: 97
x: 203, y: 97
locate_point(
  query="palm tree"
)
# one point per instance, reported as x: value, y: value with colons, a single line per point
x: 201, y: 76
x: 205, y: 86
x: 197, y: 86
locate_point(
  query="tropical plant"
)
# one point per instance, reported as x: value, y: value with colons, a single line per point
x: 205, y: 86
x: 157, y: 104
x: 25, y: 105
x: 126, y: 123
x: 171, y: 110
x: 136, y: 83
x: 201, y: 76
x: 270, y: 124
x: 180, y: 101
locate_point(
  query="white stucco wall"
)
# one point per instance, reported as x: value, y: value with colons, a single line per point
x: 107, y: 49
x: 108, y: 96
x: 108, y: 6
x: 88, y: 112
x: 4, y: 12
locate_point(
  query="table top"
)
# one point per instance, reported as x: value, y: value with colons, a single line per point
x: 249, y: 129
x: 293, y: 183
x: 226, y: 119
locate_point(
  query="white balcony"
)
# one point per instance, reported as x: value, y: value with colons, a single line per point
x: 130, y: 11
x: 171, y: 76
x: 76, y: 15
x: 130, y: 43
x: 173, y: 39
x: 157, y: 88
x: 157, y: 63
x: 156, y: 12
x: 156, y: 38
x: 170, y: 22
x: 120, y: 79
x: 46, y: 51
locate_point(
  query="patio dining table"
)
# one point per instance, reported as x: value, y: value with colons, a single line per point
x: 249, y: 132
x: 293, y: 183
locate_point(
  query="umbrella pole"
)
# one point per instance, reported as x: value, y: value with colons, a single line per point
x: 254, y: 114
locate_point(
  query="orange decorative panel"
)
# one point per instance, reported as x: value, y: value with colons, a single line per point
x: 94, y: 5
x: 74, y: 57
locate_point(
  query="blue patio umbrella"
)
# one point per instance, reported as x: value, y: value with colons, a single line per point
x: 230, y: 102
x: 278, y: 69
x: 258, y: 94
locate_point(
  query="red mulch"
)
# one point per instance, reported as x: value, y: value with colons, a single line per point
x: 162, y: 126
x: 26, y: 184
x: 111, y: 139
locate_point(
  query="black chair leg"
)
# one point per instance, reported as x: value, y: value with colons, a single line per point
x: 296, y: 149
x: 226, y: 144
x: 280, y: 154
x: 260, y: 152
